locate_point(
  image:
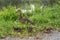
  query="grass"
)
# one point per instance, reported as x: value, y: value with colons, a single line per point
x: 46, y: 17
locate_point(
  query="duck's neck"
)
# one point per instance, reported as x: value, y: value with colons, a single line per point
x: 20, y: 16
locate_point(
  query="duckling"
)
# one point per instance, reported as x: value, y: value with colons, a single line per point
x: 17, y: 29
x: 29, y: 28
x: 48, y: 30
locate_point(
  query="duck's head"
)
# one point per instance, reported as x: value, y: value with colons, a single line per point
x: 18, y: 11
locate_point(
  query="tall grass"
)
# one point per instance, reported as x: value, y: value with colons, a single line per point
x: 46, y: 17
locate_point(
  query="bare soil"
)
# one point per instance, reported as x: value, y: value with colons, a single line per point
x: 55, y: 35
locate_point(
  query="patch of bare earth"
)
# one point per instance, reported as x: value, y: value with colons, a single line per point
x: 54, y: 35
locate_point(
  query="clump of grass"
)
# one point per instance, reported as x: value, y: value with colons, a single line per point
x: 43, y: 18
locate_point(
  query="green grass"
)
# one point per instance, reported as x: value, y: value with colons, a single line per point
x: 46, y: 17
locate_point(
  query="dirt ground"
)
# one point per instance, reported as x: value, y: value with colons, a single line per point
x: 55, y: 35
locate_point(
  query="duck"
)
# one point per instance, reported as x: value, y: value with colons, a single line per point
x: 23, y: 19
